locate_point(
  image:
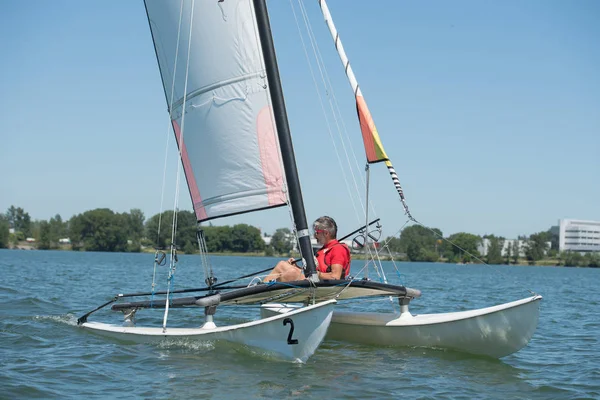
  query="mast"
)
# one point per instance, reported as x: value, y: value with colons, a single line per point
x: 285, y: 139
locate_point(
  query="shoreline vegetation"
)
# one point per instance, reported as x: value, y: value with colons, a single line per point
x: 104, y: 230
x: 545, y: 262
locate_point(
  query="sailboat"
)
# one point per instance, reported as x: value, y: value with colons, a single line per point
x: 495, y: 331
x: 225, y: 102
x: 229, y: 119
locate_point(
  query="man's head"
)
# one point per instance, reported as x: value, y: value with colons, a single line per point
x: 325, y: 229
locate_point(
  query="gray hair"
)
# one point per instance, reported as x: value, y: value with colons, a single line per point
x: 326, y: 223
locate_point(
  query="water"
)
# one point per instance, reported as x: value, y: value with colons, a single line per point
x: 43, y: 354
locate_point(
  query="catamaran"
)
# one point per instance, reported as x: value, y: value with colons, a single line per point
x: 221, y: 82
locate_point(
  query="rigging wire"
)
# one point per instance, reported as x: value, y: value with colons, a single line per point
x: 329, y: 130
x: 173, y: 259
x: 410, y: 217
x: 468, y: 252
x: 335, y: 111
x: 208, y: 272
x: 168, y: 131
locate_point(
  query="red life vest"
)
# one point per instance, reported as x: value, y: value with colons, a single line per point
x: 324, y: 257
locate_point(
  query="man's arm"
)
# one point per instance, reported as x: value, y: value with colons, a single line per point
x: 336, y: 272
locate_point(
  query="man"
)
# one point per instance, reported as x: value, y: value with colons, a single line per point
x: 333, y: 259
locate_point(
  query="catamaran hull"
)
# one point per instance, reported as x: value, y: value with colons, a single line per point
x: 293, y: 336
x: 494, y: 331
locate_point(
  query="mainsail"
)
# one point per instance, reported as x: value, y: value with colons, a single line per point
x: 211, y: 64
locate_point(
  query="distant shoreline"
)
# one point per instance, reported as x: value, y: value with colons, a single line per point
x: 549, y: 262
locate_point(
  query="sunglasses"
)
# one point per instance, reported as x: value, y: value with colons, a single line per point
x: 318, y: 231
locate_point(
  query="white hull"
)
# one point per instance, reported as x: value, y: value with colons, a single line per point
x: 494, y: 331
x: 270, y: 334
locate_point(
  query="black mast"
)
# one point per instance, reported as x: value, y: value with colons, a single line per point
x: 283, y: 131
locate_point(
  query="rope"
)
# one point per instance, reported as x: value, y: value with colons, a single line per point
x: 173, y: 261
x: 371, y: 253
x: 330, y: 91
x: 205, y: 261
x: 467, y: 252
x: 168, y: 131
x: 335, y: 110
x: 321, y: 67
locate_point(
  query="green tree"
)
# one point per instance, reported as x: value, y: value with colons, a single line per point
x: 536, y: 246
x: 187, y: 227
x: 185, y: 237
x: 419, y: 243
x: 158, y: 229
x: 57, y: 228
x: 494, y: 255
x: 246, y: 238
x: 394, y: 245
x: 592, y: 260
x: 44, y: 241
x: 218, y: 238
x: 282, y: 241
x: 554, y: 239
x: 464, y: 245
x: 135, y: 224
x: 4, y: 231
x: 412, y: 251
x: 19, y: 220
x: 516, y: 251
x: 269, y: 252
x: 428, y: 255
x: 571, y: 258
x: 99, y: 230
x: 190, y: 248
x: 508, y: 252
x: 35, y: 230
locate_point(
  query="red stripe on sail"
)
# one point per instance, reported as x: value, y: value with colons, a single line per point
x: 269, y: 156
x: 189, y: 175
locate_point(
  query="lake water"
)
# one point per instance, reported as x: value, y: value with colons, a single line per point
x: 43, y: 354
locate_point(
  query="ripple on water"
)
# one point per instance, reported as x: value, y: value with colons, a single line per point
x: 44, y: 354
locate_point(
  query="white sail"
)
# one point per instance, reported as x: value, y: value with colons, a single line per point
x: 225, y: 129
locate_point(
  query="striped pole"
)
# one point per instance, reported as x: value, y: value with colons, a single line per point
x: 373, y: 146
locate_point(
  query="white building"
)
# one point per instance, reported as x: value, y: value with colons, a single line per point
x: 578, y: 235
x: 484, y: 247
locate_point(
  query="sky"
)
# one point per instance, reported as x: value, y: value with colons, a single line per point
x: 489, y: 111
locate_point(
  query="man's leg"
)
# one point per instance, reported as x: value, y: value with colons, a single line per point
x: 284, y: 272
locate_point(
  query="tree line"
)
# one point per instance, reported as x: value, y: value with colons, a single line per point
x: 418, y: 243
x: 105, y: 230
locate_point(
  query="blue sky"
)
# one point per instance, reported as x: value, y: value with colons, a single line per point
x: 490, y: 111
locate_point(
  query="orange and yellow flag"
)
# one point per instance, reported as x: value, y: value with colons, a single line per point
x: 372, y: 142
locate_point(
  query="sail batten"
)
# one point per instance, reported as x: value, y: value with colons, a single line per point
x: 213, y: 86
x: 228, y: 146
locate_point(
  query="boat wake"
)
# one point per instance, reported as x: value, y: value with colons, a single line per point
x: 67, y: 319
x: 187, y: 344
